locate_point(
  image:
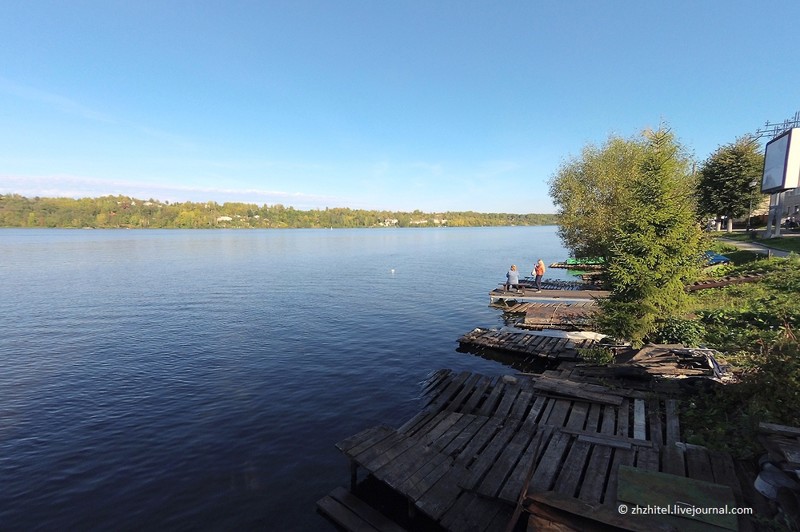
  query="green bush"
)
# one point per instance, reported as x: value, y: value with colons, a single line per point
x: 727, y: 418
x: 688, y: 332
x: 596, y: 355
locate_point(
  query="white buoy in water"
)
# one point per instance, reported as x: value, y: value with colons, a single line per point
x: 392, y: 270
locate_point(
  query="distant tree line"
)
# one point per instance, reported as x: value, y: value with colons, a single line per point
x: 126, y: 212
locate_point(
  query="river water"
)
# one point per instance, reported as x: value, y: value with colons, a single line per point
x: 168, y: 379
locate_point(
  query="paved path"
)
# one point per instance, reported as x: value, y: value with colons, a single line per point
x: 755, y: 247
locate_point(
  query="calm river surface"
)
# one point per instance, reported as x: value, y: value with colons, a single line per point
x: 200, y: 379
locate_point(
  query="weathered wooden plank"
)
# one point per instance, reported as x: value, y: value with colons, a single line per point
x: 466, y: 390
x: 561, y: 345
x: 371, y: 439
x: 559, y: 413
x: 343, y: 516
x: 646, y: 488
x: 370, y: 455
x: 673, y: 424
x: 672, y: 460
x: 474, y: 513
x: 698, y: 463
x: 507, y: 401
x: 571, y: 471
x: 521, y: 404
x: 573, y: 389
x: 450, y: 391
x: 534, y: 413
x: 609, y: 419
x: 415, y: 422
x: 656, y: 434
x: 490, y: 404
x: 545, y: 474
x: 376, y: 457
x: 623, y: 418
x: 487, y: 457
x: 596, y: 474
x: 454, y: 516
x: 473, y: 427
x: 593, y: 417
x: 365, y: 511
x: 366, y: 436
x: 639, y: 420
x: 513, y: 486
x: 501, y: 521
x: 725, y: 473
x: 608, y: 441
x: 477, y: 395
x: 577, y: 416
x: 555, y: 347
x: 647, y: 459
x: 478, y: 440
x: 546, y: 348
x: 525, y: 340
x: 434, y: 379
x: 622, y: 457
x: 441, y: 434
x: 434, y: 390
x: 563, y: 519
x: 504, y: 464
x: 783, y: 430
x: 412, y: 465
x: 426, y: 477
x: 444, y: 494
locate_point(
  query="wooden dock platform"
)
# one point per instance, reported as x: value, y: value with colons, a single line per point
x: 552, y: 315
x: 500, y: 296
x: 484, y: 446
x: 528, y: 344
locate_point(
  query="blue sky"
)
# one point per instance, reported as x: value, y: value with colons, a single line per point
x: 397, y: 105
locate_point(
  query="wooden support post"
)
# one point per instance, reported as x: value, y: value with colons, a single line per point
x: 353, y: 476
x: 412, y: 509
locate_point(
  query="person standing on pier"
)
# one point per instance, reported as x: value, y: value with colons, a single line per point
x: 538, y: 271
x: 512, y: 278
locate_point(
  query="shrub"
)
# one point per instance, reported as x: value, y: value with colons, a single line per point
x: 679, y: 331
x: 596, y: 355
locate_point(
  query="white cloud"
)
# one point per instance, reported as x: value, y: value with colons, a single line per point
x: 56, y: 101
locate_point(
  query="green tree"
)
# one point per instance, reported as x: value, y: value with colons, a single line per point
x: 591, y: 190
x: 729, y: 180
x: 657, y: 242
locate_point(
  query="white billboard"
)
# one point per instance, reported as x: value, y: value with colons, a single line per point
x: 782, y: 162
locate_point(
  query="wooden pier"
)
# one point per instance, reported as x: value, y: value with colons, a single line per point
x: 529, y: 295
x: 552, y: 315
x: 528, y: 344
x: 485, y: 449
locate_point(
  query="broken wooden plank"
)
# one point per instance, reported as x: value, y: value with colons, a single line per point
x: 573, y: 389
x: 639, y: 421
x: 783, y: 430
x: 673, y: 429
x: 352, y: 513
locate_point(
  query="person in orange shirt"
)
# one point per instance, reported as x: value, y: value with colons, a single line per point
x: 538, y: 271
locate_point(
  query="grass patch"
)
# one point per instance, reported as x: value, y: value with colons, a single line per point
x: 752, y: 324
x: 737, y: 256
x: 786, y: 243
